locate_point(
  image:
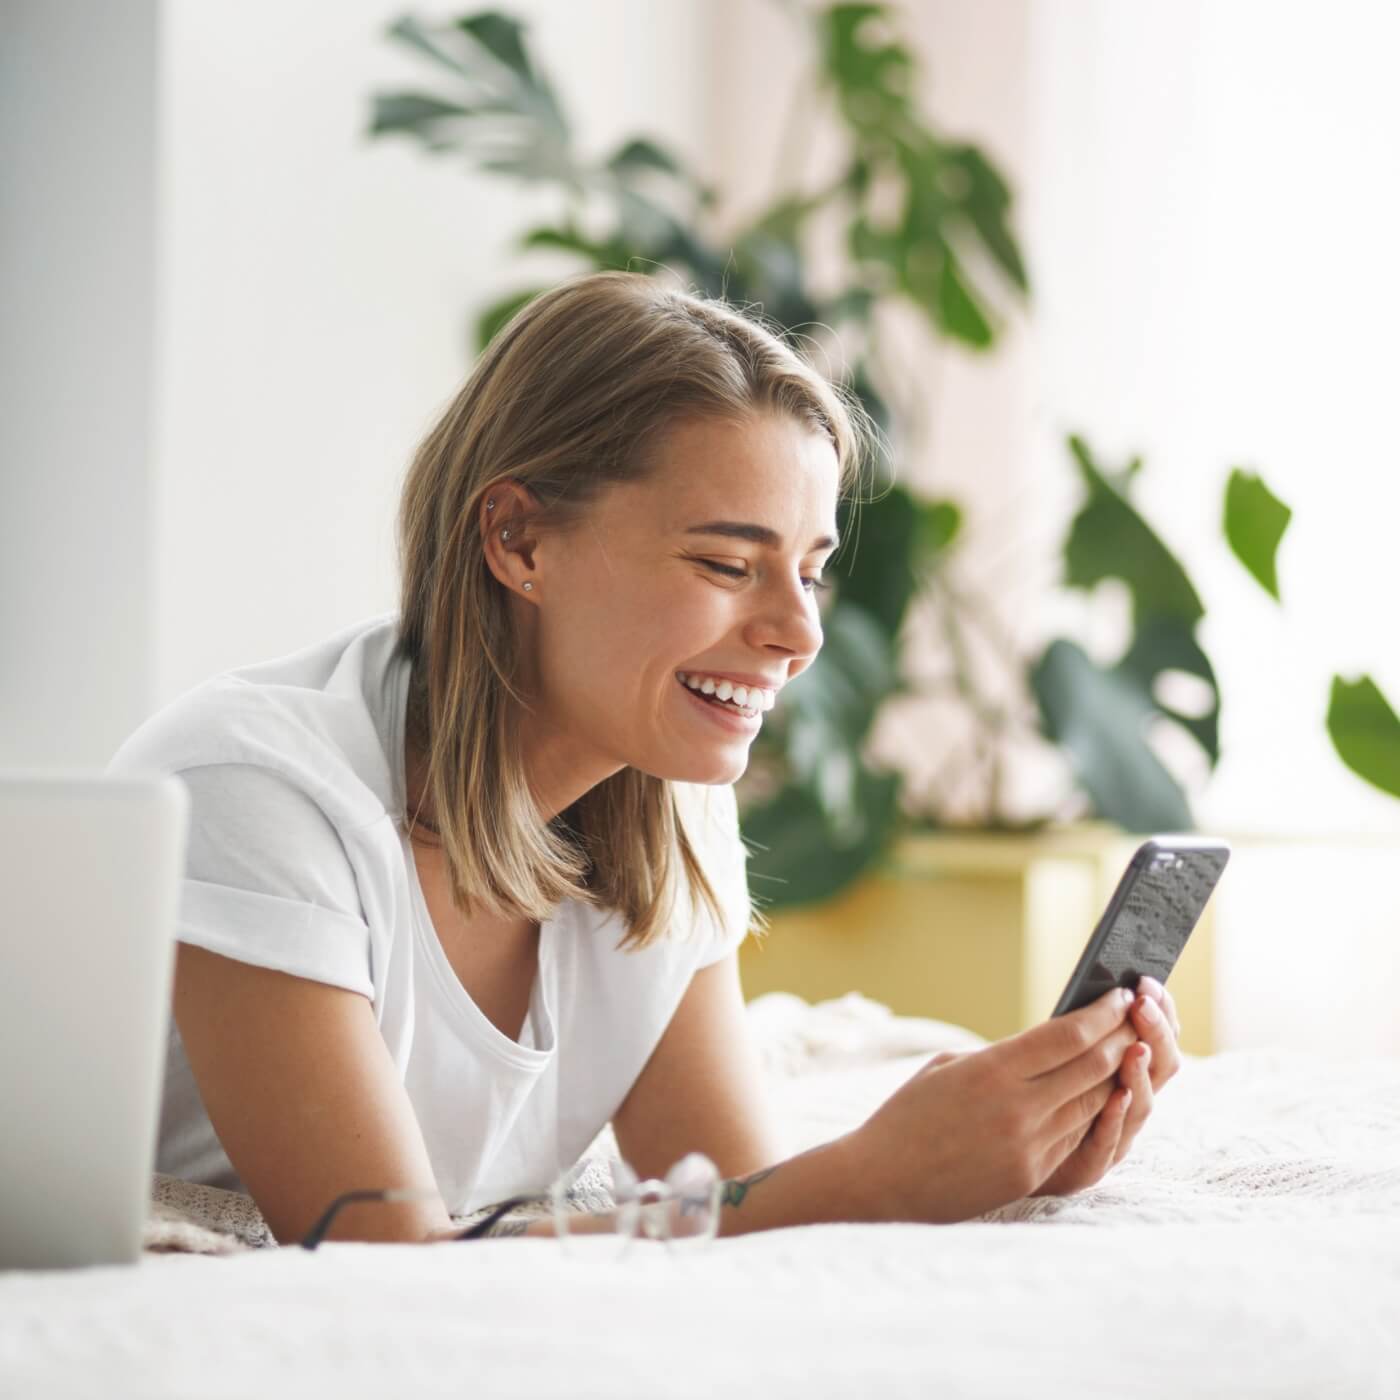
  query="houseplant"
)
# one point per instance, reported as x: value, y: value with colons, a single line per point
x: 817, y: 813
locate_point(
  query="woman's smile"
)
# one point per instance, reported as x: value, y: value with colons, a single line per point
x: 725, y: 712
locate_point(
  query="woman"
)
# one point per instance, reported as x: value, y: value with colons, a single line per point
x: 465, y: 882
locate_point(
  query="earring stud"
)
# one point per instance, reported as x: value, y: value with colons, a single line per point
x: 490, y: 505
x: 505, y: 534
x: 527, y: 585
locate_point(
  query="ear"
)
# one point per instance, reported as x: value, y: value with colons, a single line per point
x: 505, y: 512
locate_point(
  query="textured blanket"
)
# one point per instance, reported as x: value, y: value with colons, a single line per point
x: 1249, y: 1245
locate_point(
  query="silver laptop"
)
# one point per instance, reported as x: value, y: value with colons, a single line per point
x: 90, y: 866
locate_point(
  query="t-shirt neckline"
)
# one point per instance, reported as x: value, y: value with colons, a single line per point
x: 457, y: 1001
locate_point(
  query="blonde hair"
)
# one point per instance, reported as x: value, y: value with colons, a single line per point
x: 573, y: 394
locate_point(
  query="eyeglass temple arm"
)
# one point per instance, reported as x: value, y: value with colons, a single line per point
x: 318, y: 1231
x: 474, y: 1232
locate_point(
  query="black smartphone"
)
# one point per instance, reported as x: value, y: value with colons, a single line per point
x: 1159, y: 900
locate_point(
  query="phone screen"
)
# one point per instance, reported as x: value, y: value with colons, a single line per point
x: 1158, y: 902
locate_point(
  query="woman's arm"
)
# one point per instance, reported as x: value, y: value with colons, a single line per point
x: 302, y: 1092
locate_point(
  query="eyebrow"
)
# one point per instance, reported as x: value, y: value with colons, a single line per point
x: 755, y: 534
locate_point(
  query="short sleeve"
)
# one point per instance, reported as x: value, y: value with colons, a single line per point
x: 267, y: 879
x: 724, y: 858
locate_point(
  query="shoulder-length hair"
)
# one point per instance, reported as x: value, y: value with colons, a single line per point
x: 568, y: 398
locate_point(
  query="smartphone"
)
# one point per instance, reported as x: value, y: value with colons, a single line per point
x: 1159, y: 900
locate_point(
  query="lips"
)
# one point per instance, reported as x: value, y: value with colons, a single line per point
x: 735, y: 720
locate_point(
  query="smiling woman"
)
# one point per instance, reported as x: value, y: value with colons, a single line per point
x: 465, y: 882
x: 663, y: 473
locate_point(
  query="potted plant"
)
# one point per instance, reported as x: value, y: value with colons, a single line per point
x: 843, y: 853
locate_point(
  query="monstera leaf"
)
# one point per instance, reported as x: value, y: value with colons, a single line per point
x: 795, y: 859
x: 1100, y: 717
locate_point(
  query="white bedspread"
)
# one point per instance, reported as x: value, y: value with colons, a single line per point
x: 1249, y: 1246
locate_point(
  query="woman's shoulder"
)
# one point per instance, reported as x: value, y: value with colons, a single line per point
x: 299, y: 719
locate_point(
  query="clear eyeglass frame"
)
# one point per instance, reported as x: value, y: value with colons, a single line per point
x: 682, y: 1211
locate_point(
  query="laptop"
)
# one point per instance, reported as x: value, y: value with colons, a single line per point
x: 90, y: 866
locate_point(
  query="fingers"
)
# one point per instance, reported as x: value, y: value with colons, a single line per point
x: 1153, y: 988
x: 1071, y: 1119
x: 1089, y: 1157
x: 1149, y: 1016
x: 1096, y: 1065
x: 1101, y: 1147
x: 1063, y: 1038
x: 1136, y: 1079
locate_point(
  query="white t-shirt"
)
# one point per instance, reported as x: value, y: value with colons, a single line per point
x: 295, y: 773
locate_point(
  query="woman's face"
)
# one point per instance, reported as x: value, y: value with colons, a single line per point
x: 703, y: 573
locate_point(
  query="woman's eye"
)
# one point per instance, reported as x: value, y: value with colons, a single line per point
x: 724, y: 569
x: 729, y: 571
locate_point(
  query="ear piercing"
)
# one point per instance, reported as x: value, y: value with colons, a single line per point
x: 505, y: 534
x: 490, y: 505
x: 527, y: 585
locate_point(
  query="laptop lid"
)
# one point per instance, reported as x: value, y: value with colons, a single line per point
x: 90, y: 866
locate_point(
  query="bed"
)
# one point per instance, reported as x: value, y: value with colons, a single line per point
x: 1249, y: 1245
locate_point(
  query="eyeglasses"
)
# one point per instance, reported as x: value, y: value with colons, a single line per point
x: 682, y: 1211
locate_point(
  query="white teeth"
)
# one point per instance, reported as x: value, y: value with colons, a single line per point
x: 748, y: 697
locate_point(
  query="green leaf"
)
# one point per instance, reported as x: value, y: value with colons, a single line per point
x: 1365, y: 732
x: 797, y: 857
x: 611, y: 253
x: 830, y: 707
x: 641, y: 154
x: 412, y: 32
x: 499, y: 313
x: 872, y: 567
x: 936, y: 526
x: 957, y: 309
x: 409, y: 111
x: 1100, y: 719
x: 1168, y: 644
x: 502, y: 37
x: 872, y: 80
x: 1255, y: 520
x: 986, y: 204
x: 1109, y: 539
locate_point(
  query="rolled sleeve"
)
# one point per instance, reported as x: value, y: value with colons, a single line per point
x: 268, y: 930
x: 268, y: 880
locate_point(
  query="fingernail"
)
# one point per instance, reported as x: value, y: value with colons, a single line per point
x: 1149, y: 1010
x: 1126, y: 997
x: 1152, y: 987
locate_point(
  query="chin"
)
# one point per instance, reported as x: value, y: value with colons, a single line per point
x: 701, y: 768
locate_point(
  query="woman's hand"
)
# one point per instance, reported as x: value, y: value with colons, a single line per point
x: 971, y: 1131
x: 1146, y: 1067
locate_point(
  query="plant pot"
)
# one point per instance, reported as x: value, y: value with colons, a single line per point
x: 977, y: 928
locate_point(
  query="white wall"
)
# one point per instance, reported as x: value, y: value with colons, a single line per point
x: 320, y: 291
x: 77, y: 327
x: 1215, y: 238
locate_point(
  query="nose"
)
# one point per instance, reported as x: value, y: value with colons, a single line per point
x: 786, y: 620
